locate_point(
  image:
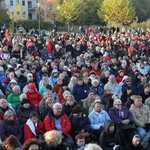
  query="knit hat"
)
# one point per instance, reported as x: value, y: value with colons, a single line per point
x: 29, y: 75
x: 54, y: 71
x: 64, y: 84
x: 120, y: 71
x: 77, y: 109
x: 24, y: 101
x: 13, y: 81
x: 94, y: 80
x: 31, y: 86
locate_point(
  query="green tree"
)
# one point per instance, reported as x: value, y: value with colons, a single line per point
x: 116, y: 12
x: 69, y: 11
x: 4, y: 18
x: 16, y: 15
x: 142, y: 9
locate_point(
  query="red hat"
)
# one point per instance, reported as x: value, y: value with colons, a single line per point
x: 31, y: 86
x: 120, y: 71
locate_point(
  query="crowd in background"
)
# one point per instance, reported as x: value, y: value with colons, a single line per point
x: 66, y: 90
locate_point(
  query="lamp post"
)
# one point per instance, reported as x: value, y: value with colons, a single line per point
x: 38, y: 4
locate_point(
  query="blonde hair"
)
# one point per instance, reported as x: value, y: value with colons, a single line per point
x: 93, y: 147
x: 7, y: 114
x: 53, y: 136
x: 49, y: 100
x: 116, y: 101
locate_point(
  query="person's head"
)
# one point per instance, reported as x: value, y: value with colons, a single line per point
x: 77, y: 111
x: 53, y: 138
x: 95, y: 82
x: 143, y: 79
x: 16, y: 89
x: 49, y: 102
x: 8, y: 115
x: 109, y: 126
x: 59, y: 81
x: 57, y: 109
x: 80, y: 81
x: 25, y: 103
x: 33, y: 116
x: 11, y: 75
x: 64, y: 85
x: 11, y: 142
x: 80, y: 140
x: 90, y: 94
x: 12, y: 83
x: 73, y: 80
x: 86, y: 80
x: 3, y: 103
x: 97, y: 105
x: 127, y: 81
x: 31, y: 87
x: 23, y: 96
x: 147, y: 88
x: 70, y: 100
x: 112, y: 79
x: 93, y: 147
x: 107, y: 90
x: 137, y: 100
x: 117, y: 103
x: 29, y: 77
x: 121, y: 73
x: 31, y: 144
x: 136, y: 140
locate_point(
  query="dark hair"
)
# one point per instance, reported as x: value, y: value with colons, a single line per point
x: 30, y: 142
x: 79, y: 136
x: 49, y: 87
x: 33, y: 114
x: 146, y: 85
x: 11, y: 141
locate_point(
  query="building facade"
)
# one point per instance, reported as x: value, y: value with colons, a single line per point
x: 28, y: 7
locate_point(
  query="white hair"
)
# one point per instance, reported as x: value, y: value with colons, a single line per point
x: 57, y: 104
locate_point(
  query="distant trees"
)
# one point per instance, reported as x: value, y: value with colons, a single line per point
x: 117, y: 12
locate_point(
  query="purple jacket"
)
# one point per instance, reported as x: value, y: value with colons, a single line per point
x: 8, y: 128
x: 114, y: 114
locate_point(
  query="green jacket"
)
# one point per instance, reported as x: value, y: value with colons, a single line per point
x: 13, y: 99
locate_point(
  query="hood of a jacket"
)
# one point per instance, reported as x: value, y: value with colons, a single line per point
x: 107, y: 123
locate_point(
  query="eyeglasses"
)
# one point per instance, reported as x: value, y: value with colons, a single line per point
x: 128, y: 81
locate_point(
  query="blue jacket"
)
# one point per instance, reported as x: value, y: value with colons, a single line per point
x: 80, y: 91
x: 97, y: 119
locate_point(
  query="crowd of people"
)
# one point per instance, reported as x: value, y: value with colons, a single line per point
x: 85, y: 90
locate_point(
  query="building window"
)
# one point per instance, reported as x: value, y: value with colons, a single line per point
x: 24, y: 14
x: 29, y: 4
x: 23, y: 3
x: 11, y: 3
x: 30, y: 16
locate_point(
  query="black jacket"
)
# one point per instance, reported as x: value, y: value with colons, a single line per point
x: 130, y: 146
x: 107, y: 139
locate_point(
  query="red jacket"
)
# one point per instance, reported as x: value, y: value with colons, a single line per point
x: 34, y: 97
x: 64, y: 121
x: 28, y: 134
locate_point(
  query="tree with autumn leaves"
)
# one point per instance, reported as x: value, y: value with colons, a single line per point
x: 115, y: 12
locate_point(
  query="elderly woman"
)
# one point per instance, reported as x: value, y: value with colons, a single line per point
x: 123, y: 119
x: 53, y: 141
x: 9, y: 126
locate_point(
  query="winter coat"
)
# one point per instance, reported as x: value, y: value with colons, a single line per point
x: 8, y: 128
x: 97, y: 119
x: 78, y: 124
x: 13, y: 99
x: 141, y: 115
x: 114, y: 115
x: 130, y: 146
x: 31, y: 132
x: 34, y: 97
x: 23, y: 113
x: 64, y: 121
x: 67, y: 108
x: 80, y: 91
x: 97, y: 90
x: 107, y: 139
